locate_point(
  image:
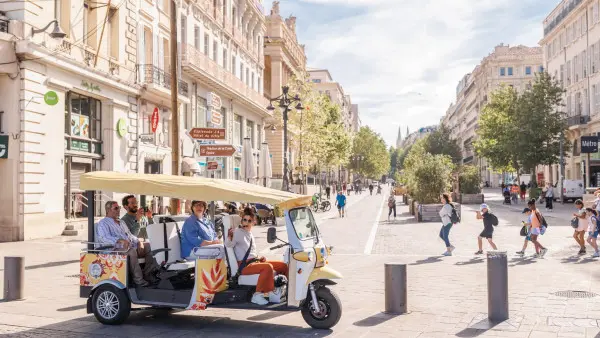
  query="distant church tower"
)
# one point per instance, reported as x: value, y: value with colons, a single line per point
x: 399, y: 139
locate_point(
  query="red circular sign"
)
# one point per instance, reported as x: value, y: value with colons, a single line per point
x: 154, y: 120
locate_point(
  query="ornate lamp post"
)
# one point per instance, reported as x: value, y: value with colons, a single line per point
x: 285, y: 102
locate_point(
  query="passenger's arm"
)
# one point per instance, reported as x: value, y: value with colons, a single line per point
x: 189, y: 232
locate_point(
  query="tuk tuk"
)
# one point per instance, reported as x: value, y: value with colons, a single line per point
x: 211, y: 280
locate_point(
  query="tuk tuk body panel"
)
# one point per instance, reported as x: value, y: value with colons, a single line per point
x: 323, y: 273
x: 211, y: 278
x: 95, y: 268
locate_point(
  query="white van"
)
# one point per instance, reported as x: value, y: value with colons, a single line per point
x: 573, y: 189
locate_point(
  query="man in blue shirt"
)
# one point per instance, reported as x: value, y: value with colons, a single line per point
x: 340, y: 201
x: 197, y: 231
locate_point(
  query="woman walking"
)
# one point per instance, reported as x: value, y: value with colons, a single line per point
x: 593, y: 229
x: 446, y: 215
x: 582, y: 226
x: 549, y: 197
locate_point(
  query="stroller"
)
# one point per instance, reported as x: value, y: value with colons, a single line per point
x: 506, y: 195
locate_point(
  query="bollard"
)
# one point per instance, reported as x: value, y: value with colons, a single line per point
x: 14, y: 276
x: 497, y: 280
x: 395, y: 288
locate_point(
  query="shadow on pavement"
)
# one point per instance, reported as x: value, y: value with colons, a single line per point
x: 475, y: 260
x: 72, y: 308
x: 522, y: 261
x: 375, y: 319
x: 428, y: 260
x: 268, y: 315
x: 50, y: 265
x: 477, y: 329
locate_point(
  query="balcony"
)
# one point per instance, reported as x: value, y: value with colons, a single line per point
x: 209, y: 72
x: 237, y: 35
x: 158, y: 81
x: 577, y: 120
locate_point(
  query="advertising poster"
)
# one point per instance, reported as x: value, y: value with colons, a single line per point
x: 84, y: 126
x: 75, y: 131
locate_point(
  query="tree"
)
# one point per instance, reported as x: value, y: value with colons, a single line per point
x: 427, y: 175
x: 469, y: 179
x: 375, y: 156
x: 394, y: 154
x: 523, y: 131
x: 441, y: 143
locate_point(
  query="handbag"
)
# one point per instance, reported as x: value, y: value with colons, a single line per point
x: 575, y: 222
x: 523, y: 232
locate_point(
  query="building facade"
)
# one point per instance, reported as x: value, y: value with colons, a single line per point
x: 571, y: 45
x: 511, y: 66
x: 285, y: 59
x: 100, y: 98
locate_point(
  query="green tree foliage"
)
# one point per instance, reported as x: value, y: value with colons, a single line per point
x: 427, y: 175
x: 440, y: 143
x: 375, y: 156
x: 469, y: 180
x: 523, y: 131
x: 394, y: 154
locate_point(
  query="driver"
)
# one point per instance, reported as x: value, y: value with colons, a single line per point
x: 242, y: 240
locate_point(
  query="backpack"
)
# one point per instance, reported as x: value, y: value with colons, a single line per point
x: 542, y: 220
x: 391, y: 203
x: 494, y: 220
x: 454, y: 218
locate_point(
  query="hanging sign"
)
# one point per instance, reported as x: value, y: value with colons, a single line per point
x: 589, y: 144
x: 217, y: 151
x: 3, y: 146
x: 212, y: 165
x: 216, y: 118
x: 51, y: 98
x: 208, y: 133
x: 154, y: 120
x: 213, y: 100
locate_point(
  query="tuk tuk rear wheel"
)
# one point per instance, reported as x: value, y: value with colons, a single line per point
x: 329, y: 312
x: 111, y: 305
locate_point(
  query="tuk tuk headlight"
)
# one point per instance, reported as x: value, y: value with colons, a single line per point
x: 321, y: 257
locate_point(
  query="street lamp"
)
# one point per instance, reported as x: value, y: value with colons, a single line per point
x: 285, y: 102
x: 57, y: 32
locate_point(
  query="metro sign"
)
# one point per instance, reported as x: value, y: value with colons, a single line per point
x: 3, y: 146
x: 589, y: 144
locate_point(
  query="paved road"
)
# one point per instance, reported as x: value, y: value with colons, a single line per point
x: 447, y: 295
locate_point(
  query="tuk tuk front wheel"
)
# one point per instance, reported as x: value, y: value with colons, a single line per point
x: 111, y: 305
x: 329, y: 312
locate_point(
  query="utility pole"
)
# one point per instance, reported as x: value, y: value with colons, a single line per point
x: 562, y: 167
x: 174, y: 103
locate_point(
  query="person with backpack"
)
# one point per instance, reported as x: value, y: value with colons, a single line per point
x: 593, y: 230
x: 449, y: 217
x: 534, y: 222
x: 526, y: 230
x: 489, y: 222
x: 392, y: 205
x: 580, y: 224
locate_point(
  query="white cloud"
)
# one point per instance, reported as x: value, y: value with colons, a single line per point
x: 390, y: 48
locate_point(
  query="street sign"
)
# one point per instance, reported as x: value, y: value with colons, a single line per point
x: 212, y: 165
x: 216, y: 118
x: 208, y: 133
x: 3, y: 146
x: 148, y: 138
x: 154, y: 120
x: 213, y: 100
x: 589, y: 144
x: 217, y: 150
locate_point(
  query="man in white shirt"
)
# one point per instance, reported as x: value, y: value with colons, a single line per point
x: 113, y: 231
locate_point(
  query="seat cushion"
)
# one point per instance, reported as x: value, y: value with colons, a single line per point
x: 248, y: 280
x: 181, y: 266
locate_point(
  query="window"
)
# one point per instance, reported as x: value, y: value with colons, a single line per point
x: 568, y: 73
x: 259, y: 137
x: 183, y: 29
x: 89, y: 25
x: 242, y: 72
x: 199, y: 119
x: 584, y: 63
x: 316, y: 80
x: 247, y: 76
x: 166, y: 54
x: 224, y: 58
x: 233, y: 65
x: 595, y: 12
x: 113, y: 33
x: 166, y: 131
x: 83, y: 123
x: 64, y: 17
x: 237, y: 130
x: 250, y: 133
x: 197, y: 37
x: 510, y: 71
x: 186, y: 116
x: 252, y: 82
x: 568, y: 105
x: 528, y: 70
x: 206, y: 44
x: 502, y: 71
x: 259, y: 88
x: 215, y: 51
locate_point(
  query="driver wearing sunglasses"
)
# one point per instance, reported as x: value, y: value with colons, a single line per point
x: 240, y: 240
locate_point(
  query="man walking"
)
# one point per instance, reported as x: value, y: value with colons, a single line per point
x: 549, y: 197
x: 328, y: 192
x: 340, y: 201
x: 392, y: 205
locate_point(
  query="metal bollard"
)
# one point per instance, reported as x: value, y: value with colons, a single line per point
x: 395, y: 288
x: 497, y: 280
x: 14, y: 276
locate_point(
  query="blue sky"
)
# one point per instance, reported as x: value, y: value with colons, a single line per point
x: 402, y: 59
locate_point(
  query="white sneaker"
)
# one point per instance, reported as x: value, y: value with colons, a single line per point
x: 275, y: 296
x: 596, y: 254
x: 259, y: 299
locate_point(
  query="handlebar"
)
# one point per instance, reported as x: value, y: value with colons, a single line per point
x: 278, y: 246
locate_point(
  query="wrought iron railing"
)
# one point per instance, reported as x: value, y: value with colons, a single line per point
x: 577, y: 120
x: 149, y: 73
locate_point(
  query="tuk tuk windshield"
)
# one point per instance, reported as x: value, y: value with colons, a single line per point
x: 304, y: 223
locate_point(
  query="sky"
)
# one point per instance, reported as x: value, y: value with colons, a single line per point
x: 401, y: 60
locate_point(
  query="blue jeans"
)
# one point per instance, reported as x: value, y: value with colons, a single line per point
x: 445, y: 234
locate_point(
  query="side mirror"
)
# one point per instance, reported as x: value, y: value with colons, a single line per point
x: 271, y: 235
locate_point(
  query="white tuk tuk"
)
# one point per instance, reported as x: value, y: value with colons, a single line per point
x: 207, y: 281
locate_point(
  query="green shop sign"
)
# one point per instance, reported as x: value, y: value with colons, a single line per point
x: 121, y: 127
x: 51, y: 98
x: 80, y: 145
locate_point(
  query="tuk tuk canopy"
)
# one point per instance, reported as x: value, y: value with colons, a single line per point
x: 190, y: 188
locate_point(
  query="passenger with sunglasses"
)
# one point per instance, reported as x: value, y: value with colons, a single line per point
x: 240, y: 240
x: 197, y: 230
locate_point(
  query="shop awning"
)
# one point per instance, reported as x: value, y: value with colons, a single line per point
x: 189, y: 165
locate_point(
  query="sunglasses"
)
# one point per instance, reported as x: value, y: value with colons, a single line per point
x: 116, y: 208
x: 248, y: 220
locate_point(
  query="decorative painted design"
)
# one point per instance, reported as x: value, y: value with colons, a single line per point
x: 95, y: 267
x: 211, y: 277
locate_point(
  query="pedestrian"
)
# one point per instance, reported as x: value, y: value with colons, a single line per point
x: 371, y: 188
x: 580, y: 224
x: 514, y: 193
x: 549, y: 197
x: 340, y: 202
x: 593, y: 229
x: 391, y: 205
x: 344, y: 187
x: 489, y: 222
x: 446, y: 215
x: 534, y: 222
x: 328, y: 192
x: 523, y: 191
